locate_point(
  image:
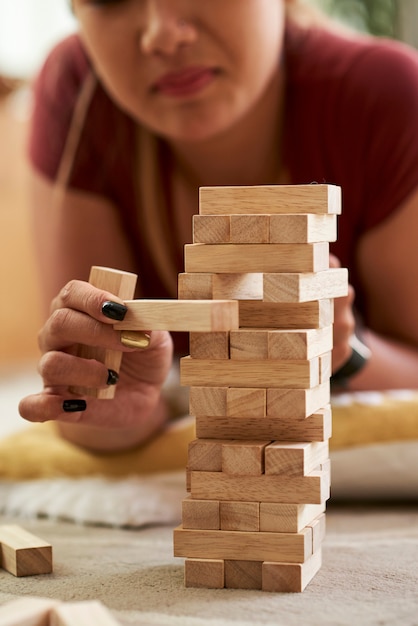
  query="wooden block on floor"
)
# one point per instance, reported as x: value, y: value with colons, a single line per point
x: 243, y: 546
x: 211, y: 229
x: 243, y: 574
x: 247, y: 286
x: 209, y: 345
x: 204, y: 573
x: 195, y: 286
x: 303, y: 228
x: 27, y: 611
x: 205, y: 454
x: 290, y: 577
x: 294, y: 458
x: 243, y: 458
x: 245, y: 402
x: 180, y: 315
x: 298, y: 403
x: 241, y: 258
x: 316, y: 427
x: 276, y: 517
x: 239, y: 516
x: 84, y: 613
x: 253, y: 373
x: 208, y: 401
x: 201, y: 514
x: 270, y: 199
x: 22, y: 553
x: 286, y: 315
x: 250, y: 229
x: 121, y: 284
x: 314, y: 488
x: 304, y: 287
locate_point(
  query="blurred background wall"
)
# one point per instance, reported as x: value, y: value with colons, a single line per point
x: 28, y: 29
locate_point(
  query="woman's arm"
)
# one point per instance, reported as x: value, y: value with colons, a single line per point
x: 387, y: 261
x: 72, y: 231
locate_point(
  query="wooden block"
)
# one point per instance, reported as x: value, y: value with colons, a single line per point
x: 208, y: 401
x: 299, y: 344
x: 310, y: 489
x: 209, y: 345
x: 290, y: 577
x: 294, y: 458
x: 205, y: 454
x: 84, y: 613
x: 303, y: 228
x: 211, y: 229
x: 180, y: 315
x: 254, y: 373
x: 243, y: 546
x: 239, y: 516
x: 243, y: 458
x: 318, y: 526
x: 195, y: 286
x: 316, y: 427
x: 201, y: 514
x: 27, y: 611
x: 287, y: 518
x: 284, y: 315
x: 304, y: 287
x: 270, y: 199
x: 247, y: 344
x: 204, y: 573
x: 245, y: 402
x: 121, y: 284
x: 237, y: 286
x: 325, y: 367
x: 243, y: 574
x: 250, y: 228
x: 299, y: 403
x: 241, y: 258
x: 24, y: 554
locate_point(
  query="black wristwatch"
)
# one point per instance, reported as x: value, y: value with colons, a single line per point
x: 359, y: 356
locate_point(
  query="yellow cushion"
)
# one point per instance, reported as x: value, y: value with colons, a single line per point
x: 39, y: 452
x: 370, y: 418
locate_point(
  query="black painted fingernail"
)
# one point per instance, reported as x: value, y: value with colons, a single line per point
x: 73, y: 406
x: 112, y: 378
x: 114, y: 310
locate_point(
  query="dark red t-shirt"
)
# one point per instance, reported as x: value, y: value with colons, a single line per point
x: 351, y: 119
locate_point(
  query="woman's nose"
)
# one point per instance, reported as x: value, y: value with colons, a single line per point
x: 165, y: 29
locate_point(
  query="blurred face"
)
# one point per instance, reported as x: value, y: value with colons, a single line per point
x: 188, y: 69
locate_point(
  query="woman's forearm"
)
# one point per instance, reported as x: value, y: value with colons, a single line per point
x: 392, y: 365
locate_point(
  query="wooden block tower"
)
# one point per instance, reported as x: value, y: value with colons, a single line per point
x: 259, y: 470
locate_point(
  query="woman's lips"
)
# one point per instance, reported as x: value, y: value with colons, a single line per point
x: 187, y: 82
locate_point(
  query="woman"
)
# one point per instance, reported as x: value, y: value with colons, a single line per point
x: 155, y: 98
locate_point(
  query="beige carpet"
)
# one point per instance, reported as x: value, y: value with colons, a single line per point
x: 369, y: 575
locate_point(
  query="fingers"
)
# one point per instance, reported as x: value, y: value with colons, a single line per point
x: 66, y: 327
x: 61, y: 369
x: 97, y: 303
x: 43, y: 407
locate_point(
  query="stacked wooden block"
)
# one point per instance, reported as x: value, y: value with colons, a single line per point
x: 259, y: 472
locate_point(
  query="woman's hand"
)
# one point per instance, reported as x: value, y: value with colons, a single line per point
x: 79, y: 317
x: 344, y: 324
